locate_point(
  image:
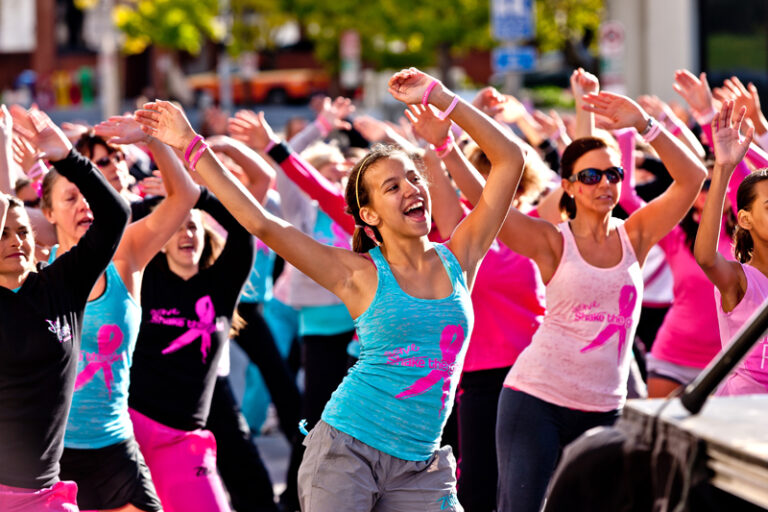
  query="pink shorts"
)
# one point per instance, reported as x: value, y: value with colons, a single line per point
x: 60, y: 497
x: 182, y: 464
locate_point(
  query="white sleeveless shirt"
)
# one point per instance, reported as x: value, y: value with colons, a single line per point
x: 579, y: 358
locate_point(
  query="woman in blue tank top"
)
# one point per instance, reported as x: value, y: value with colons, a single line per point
x: 100, y: 452
x: 377, y: 445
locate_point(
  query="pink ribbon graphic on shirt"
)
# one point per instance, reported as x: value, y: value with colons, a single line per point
x: 451, y: 342
x: 627, y: 299
x: 110, y: 337
x: 197, y: 329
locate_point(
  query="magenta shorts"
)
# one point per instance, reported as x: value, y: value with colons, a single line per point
x: 182, y: 464
x: 60, y: 497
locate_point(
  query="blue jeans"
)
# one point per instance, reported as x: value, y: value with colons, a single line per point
x: 530, y: 436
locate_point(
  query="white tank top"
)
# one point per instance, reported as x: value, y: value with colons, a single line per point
x: 579, y: 358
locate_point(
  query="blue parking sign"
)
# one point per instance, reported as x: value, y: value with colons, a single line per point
x: 520, y: 58
x: 512, y: 19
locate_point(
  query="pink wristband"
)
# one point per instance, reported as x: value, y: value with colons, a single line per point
x: 324, y: 125
x: 444, y: 153
x: 193, y: 161
x: 37, y: 170
x: 655, y: 131
x: 191, y: 146
x: 425, y: 98
x: 272, y: 143
x: 446, y: 143
x: 443, y: 115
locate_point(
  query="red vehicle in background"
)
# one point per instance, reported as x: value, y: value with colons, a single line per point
x: 274, y: 86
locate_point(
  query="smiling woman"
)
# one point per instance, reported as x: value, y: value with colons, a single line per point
x: 406, y: 291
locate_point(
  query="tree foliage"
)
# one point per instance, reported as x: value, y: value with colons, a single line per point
x: 171, y: 24
x: 393, y: 33
x: 560, y: 20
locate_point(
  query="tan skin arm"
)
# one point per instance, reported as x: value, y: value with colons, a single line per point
x: 474, y: 235
x: 143, y: 239
x: 348, y: 275
x: 730, y: 148
x: 648, y: 225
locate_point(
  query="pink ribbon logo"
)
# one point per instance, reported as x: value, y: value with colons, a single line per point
x: 197, y: 329
x: 451, y: 341
x: 110, y: 337
x: 756, y: 363
x: 627, y: 299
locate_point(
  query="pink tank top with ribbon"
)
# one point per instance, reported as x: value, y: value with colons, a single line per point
x: 579, y: 358
x: 751, y: 375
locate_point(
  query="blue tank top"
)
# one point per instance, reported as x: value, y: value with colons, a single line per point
x: 398, y: 395
x: 258, y: 287
x: 99, y: 413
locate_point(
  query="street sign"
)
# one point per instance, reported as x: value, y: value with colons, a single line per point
x: 520, y: 58
x: 512, y: 19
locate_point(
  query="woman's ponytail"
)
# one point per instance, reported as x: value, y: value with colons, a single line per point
x: 742, y: 245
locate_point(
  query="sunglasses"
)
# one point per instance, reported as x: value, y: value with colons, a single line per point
x: 104, y: 161
x: 592, y: 176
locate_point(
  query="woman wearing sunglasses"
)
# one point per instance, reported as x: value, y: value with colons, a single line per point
x: 573, y: 375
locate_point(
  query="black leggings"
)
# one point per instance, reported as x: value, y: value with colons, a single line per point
x: 477, y: 406
x: 238, y: 458
x: 257, y: 341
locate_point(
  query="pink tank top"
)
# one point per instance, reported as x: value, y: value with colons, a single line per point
x: 751, y: 376
x: 689, y: 335
x: 579, y: 358
x: 508, y: 301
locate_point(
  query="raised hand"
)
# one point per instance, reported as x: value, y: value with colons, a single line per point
x: 166, y: 122
x: 251, y: 129
x: 511, y: 110
x: 121, y: 130
x: 618, y: 111
x: 334, y: 112
x: 583, y: 82
x: 730, y: 147
x: 370, y: 128
x: 153, y: 185
x: 24, y: 154
x: 489, y: 101
x: 410, y: 84
x: 74, y: 131
x: 656, y: 107
x: 551, y: 124
x: 427, y: 125
x: 44, y: 135
x: 695, y: 91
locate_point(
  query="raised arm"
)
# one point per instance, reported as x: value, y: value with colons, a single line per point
x: 583, y: 83
x: 652, y: 222
x: 446, y: 208
x: 144, y: 239
x: 332, y: 268
x: 474, y: 235
x: 730, y: 148
x: 83, y: 264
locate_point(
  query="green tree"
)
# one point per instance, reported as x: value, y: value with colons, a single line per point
x: 393, y: 33
x: 168, y: 24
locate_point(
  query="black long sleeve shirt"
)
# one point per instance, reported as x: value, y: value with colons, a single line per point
x: 184, y: 326
x: 40, y: 337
